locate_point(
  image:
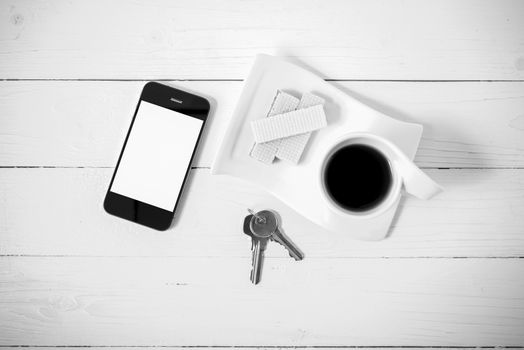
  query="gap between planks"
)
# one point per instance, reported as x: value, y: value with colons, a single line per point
x: 209, y: 168
x: 240, y: 80
x: 269, y: 257
x: 376, y: 347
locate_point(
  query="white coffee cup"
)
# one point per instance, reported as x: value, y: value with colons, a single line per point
x: 404, y: 174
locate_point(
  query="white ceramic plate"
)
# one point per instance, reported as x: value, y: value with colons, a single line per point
x: 299, y: 186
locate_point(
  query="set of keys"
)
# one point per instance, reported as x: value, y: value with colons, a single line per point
x: 262, y: 227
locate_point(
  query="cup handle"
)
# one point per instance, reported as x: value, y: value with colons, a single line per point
x: 417, y: 183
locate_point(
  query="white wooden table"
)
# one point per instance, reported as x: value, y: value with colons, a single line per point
x: 451, y: 272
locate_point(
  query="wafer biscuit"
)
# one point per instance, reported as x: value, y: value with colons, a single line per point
x: 291, y: 148
x: 266, y: 152
x: 289, y: 124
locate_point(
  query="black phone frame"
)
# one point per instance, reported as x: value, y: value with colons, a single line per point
x: 144, y: 213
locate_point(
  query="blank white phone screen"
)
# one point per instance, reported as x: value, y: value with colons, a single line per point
x: 156, y: 156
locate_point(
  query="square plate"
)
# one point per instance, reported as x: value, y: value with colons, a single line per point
x: 299, y: 186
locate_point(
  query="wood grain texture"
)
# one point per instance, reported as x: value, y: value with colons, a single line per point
x: 59, y: 212
x: 210, y: 301
x: 210, y: 39
x: 84, y: 123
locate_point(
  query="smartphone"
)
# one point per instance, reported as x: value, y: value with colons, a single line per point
x: 155, y: 160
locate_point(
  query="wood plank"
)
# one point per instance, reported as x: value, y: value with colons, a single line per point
x: 257, y: 347
x: 59, y: 212
x: 84, y: 123
x: 209, y: 301
x: 341, y: 39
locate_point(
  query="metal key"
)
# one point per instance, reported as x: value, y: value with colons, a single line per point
x: 270, y: 228
x: 258, y: 245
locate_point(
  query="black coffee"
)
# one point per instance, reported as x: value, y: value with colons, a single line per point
x: 357, y: 177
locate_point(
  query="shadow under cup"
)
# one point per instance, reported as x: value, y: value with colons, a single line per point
x: 357, y: 177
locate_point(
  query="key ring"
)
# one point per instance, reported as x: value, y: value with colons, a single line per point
x: 260, y: 219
